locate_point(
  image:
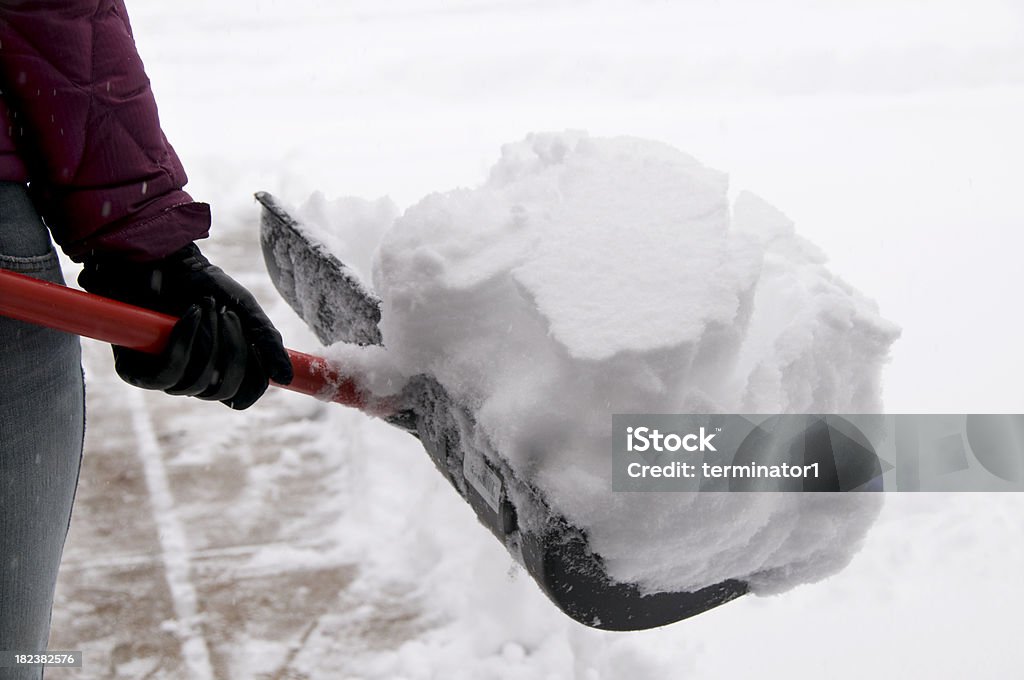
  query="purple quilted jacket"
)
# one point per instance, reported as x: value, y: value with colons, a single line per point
x: 79, y: 122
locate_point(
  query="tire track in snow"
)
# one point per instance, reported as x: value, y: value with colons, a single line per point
x: 173, y: 543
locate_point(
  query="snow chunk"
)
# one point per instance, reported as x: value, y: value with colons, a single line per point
x: 606, y: 275
x: 592, y: 276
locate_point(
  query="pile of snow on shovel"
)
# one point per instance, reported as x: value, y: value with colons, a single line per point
x: 590, y: 276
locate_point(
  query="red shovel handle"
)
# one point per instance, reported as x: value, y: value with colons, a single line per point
x: 74, y: 311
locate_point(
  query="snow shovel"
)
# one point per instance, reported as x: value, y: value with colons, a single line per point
x: 334, y: 303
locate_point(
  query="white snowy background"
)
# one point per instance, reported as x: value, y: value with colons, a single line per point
x: 301, y: 540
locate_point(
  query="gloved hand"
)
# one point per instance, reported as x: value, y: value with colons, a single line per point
x: 224, y: 348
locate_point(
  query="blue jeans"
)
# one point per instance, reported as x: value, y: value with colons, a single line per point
x: 42, y: 422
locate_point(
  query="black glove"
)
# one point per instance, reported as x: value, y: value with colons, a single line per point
x: 224, y: 348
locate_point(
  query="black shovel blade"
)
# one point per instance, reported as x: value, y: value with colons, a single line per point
x: 555, y: 552
x: 574, y: 579
x: 325, y: 293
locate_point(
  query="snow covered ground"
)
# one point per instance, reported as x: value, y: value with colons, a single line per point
x: 301, y: 540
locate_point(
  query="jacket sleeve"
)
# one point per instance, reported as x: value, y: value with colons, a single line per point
x: 83, y: 117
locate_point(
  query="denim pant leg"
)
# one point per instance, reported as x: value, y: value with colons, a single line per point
x: 42, y: 417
